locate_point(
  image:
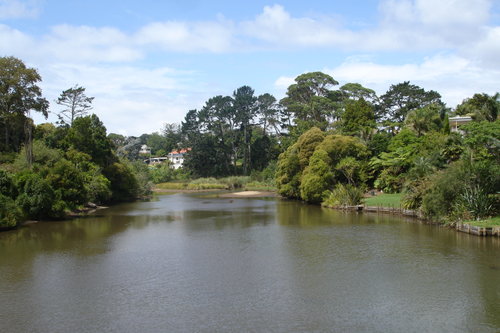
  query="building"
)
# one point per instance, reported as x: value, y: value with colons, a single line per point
x: 177, y: 157
x: 455, y: 121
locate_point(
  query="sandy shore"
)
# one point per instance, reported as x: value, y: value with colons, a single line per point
x: 249, y: 194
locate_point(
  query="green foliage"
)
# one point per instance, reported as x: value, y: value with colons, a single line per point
x: 379, y: 143
x: 270, y: 171
x: 36, y: 198
x: 289, y: 173
x: 88, y: 135
x: 475, y: 202
x: 344, y: 195
x: 403, y: 98
x: 481, y: 107
x: 307, y: 99
x: 97, y: 186
x: 124, y: 185
x: 68, y: 181
x: 307, y: 143
x: 19, y: 95
x: 357, y: 116
x: 7, y: 186
x: 456, y: 185
x: 143, y: 177
x: 446, y: 125
x: 339, y: 147
x: 424, y: 120
x: 42, y: 155
x: 317, y: 178
x: 162, y: 173
x: 76, y: 102
x: 483, y: 137
x: 10, y: 215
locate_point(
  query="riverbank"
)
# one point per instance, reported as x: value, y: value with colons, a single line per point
x: 249, y: 194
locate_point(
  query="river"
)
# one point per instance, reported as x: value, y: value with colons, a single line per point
x: 199, y: 263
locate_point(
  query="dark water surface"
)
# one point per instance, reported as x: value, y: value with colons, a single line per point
x: 198, y: 263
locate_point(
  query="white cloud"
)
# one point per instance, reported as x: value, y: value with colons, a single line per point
x: 455, y: 78
x: 129, y: 100
x: 458, y: 25
x: 187, y: 36
x: 13, y: 9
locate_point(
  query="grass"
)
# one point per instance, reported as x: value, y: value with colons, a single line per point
x: 384, y: 199
x: 493, y: 222
x: 186, y: 186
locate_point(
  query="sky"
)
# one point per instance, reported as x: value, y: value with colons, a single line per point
x: 149, y: 62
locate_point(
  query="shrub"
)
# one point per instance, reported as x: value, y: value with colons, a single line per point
x: 36, y: 197
x: 9, y: 212
x: 344, y: 195
x: 68, y: 181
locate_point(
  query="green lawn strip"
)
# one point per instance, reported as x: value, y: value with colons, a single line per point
x: 187, y: 186
x: 493, y: 222
x: 383, y: 199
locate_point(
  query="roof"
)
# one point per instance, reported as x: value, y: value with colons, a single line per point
x: 182, y: 151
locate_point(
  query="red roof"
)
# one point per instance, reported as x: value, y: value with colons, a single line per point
x: 183, y: 151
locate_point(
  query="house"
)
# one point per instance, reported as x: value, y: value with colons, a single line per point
x: 455, y: 121
x: 177, y: 157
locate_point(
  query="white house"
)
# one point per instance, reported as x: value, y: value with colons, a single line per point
x: 177, y: 157
x: 455, y: 121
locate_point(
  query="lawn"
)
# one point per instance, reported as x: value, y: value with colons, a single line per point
x: 383, y: 199
x: 493, y: 222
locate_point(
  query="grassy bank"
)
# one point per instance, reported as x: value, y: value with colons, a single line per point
x: 384, y: 199
x: 493, y: 222
x: 188, y: 186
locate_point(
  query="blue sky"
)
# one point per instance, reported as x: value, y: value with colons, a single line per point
x: 149, y: 62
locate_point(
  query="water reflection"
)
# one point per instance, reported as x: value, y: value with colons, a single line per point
x: 184, y: 262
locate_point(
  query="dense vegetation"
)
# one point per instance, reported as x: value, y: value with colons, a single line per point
x: 319, y: 144
x: 45, y: 170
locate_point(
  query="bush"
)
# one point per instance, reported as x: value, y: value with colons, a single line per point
x: 344, y: 195
x: 36, y: 196
x: 68, y: 181
x: 475, y: 203
x: 9, y: 212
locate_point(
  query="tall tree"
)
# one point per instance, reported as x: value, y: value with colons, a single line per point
x: 357, y: 116
x: 308, y: 101
x: 76, y: 102
x: 245, y: 106
x: 19, y: 95
x: 401, y: 99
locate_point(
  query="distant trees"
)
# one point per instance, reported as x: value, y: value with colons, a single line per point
x: 403, y: 98
x: 226, y: 137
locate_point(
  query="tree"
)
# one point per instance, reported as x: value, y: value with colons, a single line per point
x: 401, y: 99
x: 424, y: 120
x: 269, y: 112
x: 481, y: 107
x: 358, y: 115
x: 76, y: 102
x: 244, y: 103
x: 88, y: 135
x: 307, y: 100
x: 19, y: 94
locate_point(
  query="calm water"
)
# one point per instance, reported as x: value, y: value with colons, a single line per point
x: 198, y: 263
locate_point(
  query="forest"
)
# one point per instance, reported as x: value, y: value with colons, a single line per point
x: 322, y: 144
